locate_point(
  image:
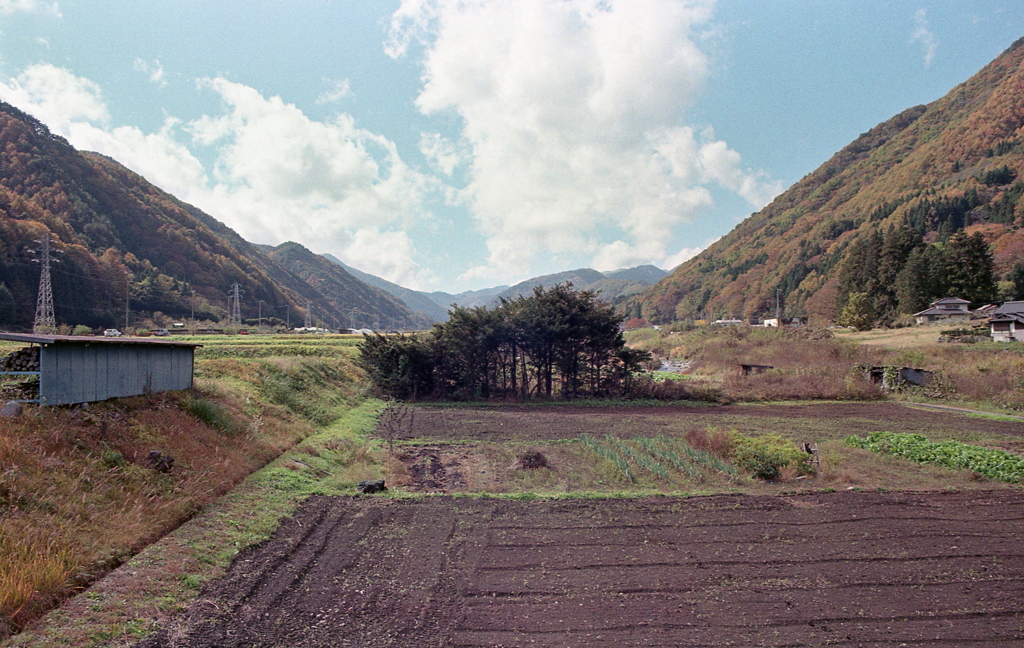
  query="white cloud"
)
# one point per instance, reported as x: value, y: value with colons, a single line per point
x: 388, y: 254
x: 442, y: 153
x: 338, y: 89
x: 153, y: 70
x: 14, y: 6
x: 55, y: 96
x: 923, y: 35
x: 572, y: 111
x: 683, y: 255
x: 277, y: 175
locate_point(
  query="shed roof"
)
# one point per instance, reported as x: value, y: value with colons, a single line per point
x: 1011, y: 307
x: 85, y: 339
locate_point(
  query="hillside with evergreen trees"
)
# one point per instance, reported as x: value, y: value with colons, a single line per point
x: 925, y: 205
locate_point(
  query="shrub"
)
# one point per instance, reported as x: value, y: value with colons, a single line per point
x: 765, y: 456
x: 673, y: 390
x: 717, y: 442
x: 211, y: 413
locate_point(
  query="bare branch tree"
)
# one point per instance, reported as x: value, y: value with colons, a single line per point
x: 395, y: 421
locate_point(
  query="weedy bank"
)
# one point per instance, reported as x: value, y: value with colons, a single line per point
x: 817, y: 364
x: 79, y: 493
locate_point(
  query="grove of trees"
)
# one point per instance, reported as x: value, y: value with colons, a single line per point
x: 892, y: 273
x: 555, y: 343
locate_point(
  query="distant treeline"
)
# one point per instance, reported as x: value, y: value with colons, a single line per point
x: 555, y: 343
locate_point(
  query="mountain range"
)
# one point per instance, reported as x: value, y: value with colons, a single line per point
x: 879, y: 218
x: 125, y: 251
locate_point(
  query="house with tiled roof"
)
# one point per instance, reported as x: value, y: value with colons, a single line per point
x: 944, y: 311
x: 1007, y: 323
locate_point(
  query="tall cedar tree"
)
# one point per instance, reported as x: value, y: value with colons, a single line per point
x: 969, y: 273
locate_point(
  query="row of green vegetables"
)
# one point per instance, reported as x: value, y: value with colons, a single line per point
x: 994, y: 464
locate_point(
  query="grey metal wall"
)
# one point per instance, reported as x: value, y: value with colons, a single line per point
x: 80, y: 373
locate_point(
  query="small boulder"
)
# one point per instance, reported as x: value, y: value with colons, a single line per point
x: 11, y: 409
x: 369, y: 487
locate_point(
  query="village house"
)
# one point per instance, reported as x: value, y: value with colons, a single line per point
x: 1007, y: 324
x: 945, y: 310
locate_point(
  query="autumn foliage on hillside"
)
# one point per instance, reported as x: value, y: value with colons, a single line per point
x: 120, y: 239
x: 953, y: 166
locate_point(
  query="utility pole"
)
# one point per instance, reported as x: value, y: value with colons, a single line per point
x: 309, y: 313
x: 778, y: 307
x: 259, y: 318
x: 236, y: 311
x: 45, y: 322
x: 127, y: 301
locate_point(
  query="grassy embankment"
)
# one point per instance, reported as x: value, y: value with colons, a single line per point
x: 812, y: 364
x: 77, y: 497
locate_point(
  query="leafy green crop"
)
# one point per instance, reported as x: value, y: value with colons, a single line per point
x: 995, y: 464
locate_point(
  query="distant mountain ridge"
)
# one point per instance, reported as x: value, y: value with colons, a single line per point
x: 435, y: 305
x: 955, y: 165
x: 414, y: 299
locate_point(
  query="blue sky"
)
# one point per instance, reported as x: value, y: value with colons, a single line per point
x: 459, y: 144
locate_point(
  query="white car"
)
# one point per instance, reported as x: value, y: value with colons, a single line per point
x: 111, y: 333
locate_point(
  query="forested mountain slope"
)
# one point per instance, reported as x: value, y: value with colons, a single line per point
x: 122, y: 239
x: 894, y: 215
x: 361, y: 304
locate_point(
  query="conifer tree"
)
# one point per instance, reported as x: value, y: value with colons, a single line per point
x: 969, y: 268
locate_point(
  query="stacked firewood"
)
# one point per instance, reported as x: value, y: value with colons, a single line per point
x: 26, y: 359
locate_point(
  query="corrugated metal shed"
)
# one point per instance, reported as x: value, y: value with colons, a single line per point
x: 74, y: 369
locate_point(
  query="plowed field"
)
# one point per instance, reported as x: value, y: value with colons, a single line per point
x: 813, y: 421
x: 838, y: 569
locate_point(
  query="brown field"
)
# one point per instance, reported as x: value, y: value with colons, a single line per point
x: 838, y: 569
x: 810, y: 422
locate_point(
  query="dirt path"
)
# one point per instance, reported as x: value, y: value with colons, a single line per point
x: 841, y: 569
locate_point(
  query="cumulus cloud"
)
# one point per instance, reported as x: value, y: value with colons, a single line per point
x: 923, y: 35
x: 442, y: 153
x: 683, y: 255
x: 337, y: 90
x: 277, y: 174
x: 13, y: 6
x: 389, y: 254
x: 56, y: 97
x: 572, y: 116
x: 153, y: 70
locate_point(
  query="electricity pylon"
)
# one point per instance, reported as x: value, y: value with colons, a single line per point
x: 236, y: 311
x: 45, y: 322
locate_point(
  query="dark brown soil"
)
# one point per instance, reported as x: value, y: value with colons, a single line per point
x: 853, y: 569
x: 808, y: 421
x: 433, y: 469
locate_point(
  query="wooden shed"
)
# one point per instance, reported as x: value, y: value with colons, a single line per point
x: 76, y: 369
